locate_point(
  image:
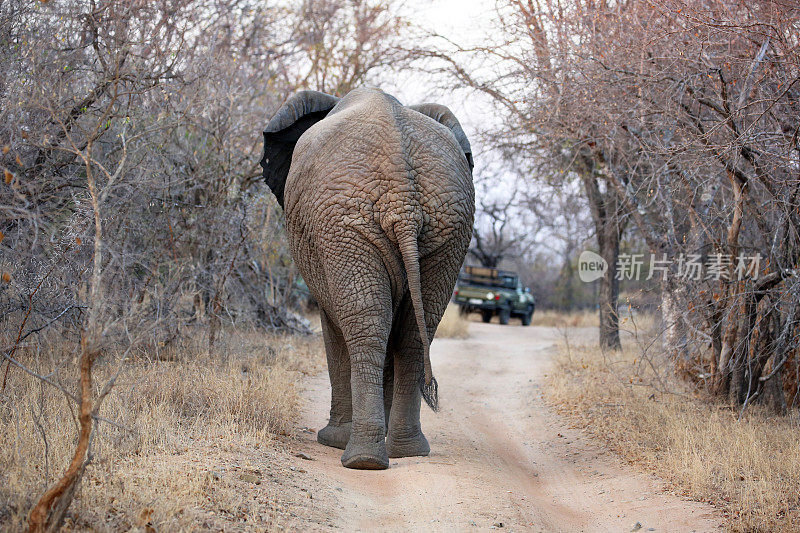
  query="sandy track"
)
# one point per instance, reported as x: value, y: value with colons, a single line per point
x: 498, y: 456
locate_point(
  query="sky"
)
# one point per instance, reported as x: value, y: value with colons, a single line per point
x: 468, y: 23
x: 453, y: 18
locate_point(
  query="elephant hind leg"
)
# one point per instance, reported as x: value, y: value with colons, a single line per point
x: 363, y: 309
x: 405, y: 437
x: 366, y: 448
x: 388, y: 386
x: 337, y: 432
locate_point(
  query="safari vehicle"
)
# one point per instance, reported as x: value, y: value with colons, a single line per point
x: 490, y: 292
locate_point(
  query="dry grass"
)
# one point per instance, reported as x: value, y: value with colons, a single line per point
x: 558, y: 319
x: 197, y: 422
x: 453, y: 325
x: 748, y: 467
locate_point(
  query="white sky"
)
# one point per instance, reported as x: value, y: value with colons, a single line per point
x: 456, y: 19
x: 467, y: 23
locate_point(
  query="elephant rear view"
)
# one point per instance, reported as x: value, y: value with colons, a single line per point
x: 379, y: 205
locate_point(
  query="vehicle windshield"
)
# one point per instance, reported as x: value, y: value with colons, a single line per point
x: 506, y: 282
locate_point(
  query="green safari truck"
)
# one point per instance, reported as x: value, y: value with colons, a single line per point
x: 490, y: 291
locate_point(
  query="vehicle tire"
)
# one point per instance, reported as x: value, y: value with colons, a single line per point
x: 486, y: 316
x: 526, y: 318
x: 505, y: 315
x: 463, y: 310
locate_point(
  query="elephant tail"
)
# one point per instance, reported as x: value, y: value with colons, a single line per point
x: 407, y: 242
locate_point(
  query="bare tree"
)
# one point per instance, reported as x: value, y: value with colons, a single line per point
x: 702, y: 125
x: 546, y: 120
x: 696, y: 140
x: 680, y: 118
x: 341, y: 45
x: 498, y: 234
x: 131, y: 209
x: 566, y: 223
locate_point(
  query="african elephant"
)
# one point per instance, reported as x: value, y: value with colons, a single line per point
x: 379, y: 205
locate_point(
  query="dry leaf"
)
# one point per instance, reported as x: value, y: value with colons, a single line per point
x: 78, y: 241
x: 6, y: 149
x: 6, y: 277
x: 9, y: 176
x: 145, y: 516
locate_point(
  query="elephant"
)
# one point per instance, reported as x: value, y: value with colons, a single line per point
x: 379, y: 204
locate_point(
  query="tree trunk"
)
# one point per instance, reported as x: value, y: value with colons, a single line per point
x: 606, y: 213
x: 773, y: 396
x: 715, y: 330
x: 675, y: 339
x: 776, y: 354
x: 566, y: 283
x: 737, y: 387
x: 731, y: 294
x: 730, y: 328
x: 608, y: 296
x: 49, y: 512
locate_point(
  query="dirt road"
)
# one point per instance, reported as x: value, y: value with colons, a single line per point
x: 498, y: 456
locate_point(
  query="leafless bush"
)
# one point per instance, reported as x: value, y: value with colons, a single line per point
x: 678, y: 119
x: 130, y: 210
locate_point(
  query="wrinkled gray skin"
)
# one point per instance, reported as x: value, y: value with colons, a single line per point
x: 379, y: 205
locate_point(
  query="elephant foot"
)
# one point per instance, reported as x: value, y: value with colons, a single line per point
x: 366, y: 456
x: 411, y: 447
x: 335, y: 436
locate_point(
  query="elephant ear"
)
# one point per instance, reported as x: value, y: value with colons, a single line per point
x: 444, y: 116
x: 301, y: 111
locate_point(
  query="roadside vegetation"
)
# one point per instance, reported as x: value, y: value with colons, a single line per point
x: 664, y: 137
x: 551, y: 318
x: 194, y: 431
x: 136, y: 234
x: 746, y: 463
